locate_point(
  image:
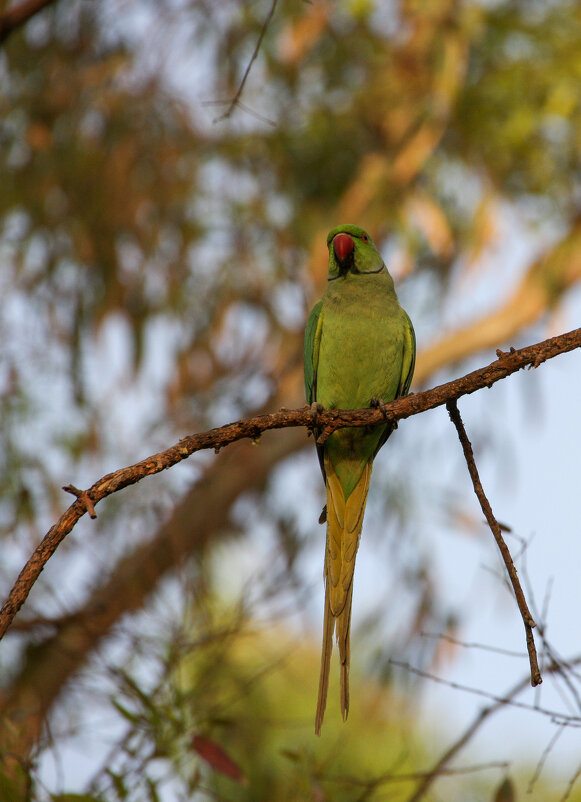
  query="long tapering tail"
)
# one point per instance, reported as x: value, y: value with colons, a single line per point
x: 344, y: 522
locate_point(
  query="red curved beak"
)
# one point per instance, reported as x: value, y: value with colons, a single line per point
x: 343, y: 245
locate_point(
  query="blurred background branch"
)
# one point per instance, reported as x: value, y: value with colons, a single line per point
x: 18, y: 14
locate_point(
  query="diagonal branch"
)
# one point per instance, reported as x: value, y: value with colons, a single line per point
x: 201, y: 516
x: 527, y: 618
x: 327, y: 420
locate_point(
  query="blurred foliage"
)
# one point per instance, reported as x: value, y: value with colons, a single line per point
x: 226, y: 712
x: 525, y: 141
x: 157, y: 268
x: 254, y: 742
x: 119, y: 198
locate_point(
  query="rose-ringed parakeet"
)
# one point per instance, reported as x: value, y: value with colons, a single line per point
x: 359, y: 351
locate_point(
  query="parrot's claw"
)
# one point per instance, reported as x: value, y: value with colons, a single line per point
x: 316, y: 408
x: 379, y: 403
x: 323, y: 515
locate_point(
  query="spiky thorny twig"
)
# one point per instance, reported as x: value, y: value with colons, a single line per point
x: 329, y: 420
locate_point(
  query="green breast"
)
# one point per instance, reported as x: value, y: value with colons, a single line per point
x: 360, y: 358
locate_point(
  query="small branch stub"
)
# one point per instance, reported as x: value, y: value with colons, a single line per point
x: 500, y: 353
x: 83, y: 497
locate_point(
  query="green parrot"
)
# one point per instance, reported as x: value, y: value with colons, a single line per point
x: 359, y: 351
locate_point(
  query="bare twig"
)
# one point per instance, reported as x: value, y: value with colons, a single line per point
x: 236, y: 99
x: 570, y: 785
x: 84, y: 497
x: 465, y: 645
x: 507, y: 700
x: 393, y: 778
x: 572, y: 720
x: 458, y: 745
x: 16, y: 16
x: 562, y: 670
x: 251, y: 428
x: 527, y: 618
x: 543, y: 758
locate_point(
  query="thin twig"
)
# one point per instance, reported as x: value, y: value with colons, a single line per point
x: 527, y: 618
x: 389, y: 777
x: 561, y: 669
x: 484, y: 714
x: 570, y: 785
x: 504, y: 366
x: 236, y: 99
x: 466, y: 645
x: 436, y: 770
x: 240, y: 105
x: 84, y: 497
x: 554, y: 715
x: 543, y: 758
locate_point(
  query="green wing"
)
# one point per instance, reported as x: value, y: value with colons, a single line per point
x: 311, y: 363
x: 311, y: 351
x: 408, y: 364
x: 409, y: 358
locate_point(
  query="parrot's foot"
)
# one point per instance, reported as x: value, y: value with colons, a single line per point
x: 379, y: 403
x: 323, y: 515
x: 316, y: 408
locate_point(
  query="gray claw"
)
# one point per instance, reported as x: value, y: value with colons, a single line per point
x: 316, y: 408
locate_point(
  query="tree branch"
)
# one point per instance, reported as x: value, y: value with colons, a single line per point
x: 16, y: 16
x: 200, y: 517
x: 327, y: 420
x: 527, y: 618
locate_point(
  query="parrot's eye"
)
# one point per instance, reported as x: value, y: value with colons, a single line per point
x: 365, y: 238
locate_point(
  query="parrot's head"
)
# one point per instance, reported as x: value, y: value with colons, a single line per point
x: 351, y: 251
